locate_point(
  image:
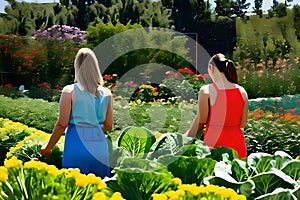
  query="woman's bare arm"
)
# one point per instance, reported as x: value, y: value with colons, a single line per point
x: 202, y: 113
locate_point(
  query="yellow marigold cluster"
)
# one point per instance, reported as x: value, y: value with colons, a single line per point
x: 3, y: 174
x: 13, y: 162
x: 37, y: 135
x: 50, y: 169
x: 198, y: 191
x: 102, y: 196
x: 146, y: 87
x: 83, y: 180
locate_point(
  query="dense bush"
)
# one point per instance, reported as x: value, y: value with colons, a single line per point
x: 35, y: 113
x: 136, y: 47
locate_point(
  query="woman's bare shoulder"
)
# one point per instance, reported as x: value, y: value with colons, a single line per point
x: 243, y: 91
x: 68, y: 88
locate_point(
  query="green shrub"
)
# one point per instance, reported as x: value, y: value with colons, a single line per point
x: 35, y: 113
x: 265, y: 135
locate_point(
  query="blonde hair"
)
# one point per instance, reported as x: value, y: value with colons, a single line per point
x: 87, y: 71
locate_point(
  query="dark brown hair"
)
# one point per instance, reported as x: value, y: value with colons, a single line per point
x: 225, y: 66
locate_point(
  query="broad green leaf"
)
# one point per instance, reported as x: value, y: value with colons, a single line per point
x: 140, y: 163
x: 136, y: 140
x: 296, y: 192
x: 168, y: 143
x: 223, y: 177
x: 195, y: 169
x: 280, y: 159
x: 267, y: 182
x: 199, y: 149
x: 217, y: 153
x: 278, y: 194
x: 292, y: 168
x: 139, y: 179
x: 239, y: 170
x: 260, y: 162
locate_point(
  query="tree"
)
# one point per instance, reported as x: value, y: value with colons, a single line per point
x: 275, y: 4
x: 224, y: 8
x: 281, y: 10
x: 201, y: 10
x: 257, y: 7
x: 240, y: 7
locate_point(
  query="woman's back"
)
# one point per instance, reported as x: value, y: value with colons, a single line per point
x: 225, y: 114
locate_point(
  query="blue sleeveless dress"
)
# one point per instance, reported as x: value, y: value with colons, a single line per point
x: 85, y: 145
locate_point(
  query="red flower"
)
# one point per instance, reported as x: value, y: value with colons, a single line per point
x: 9, y: 85
x: 186, y: 70
x: 107, y: 77
x: 200, y: 77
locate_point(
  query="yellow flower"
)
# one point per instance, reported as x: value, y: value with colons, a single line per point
x: 52, y: 170
x: 269, y: 116
x: 180, y: 192
x: 138, y: 101
x: 99, y: 196
x: 203, y: 198
x: 116, y: 196
x: 101, y: 185
x: 13, y: 162
x: 3, y: 174
x: 172, y: 194
x: 114, y: 75
x: 177, y: 181
x: 81, y: 181
x: 159, y: 197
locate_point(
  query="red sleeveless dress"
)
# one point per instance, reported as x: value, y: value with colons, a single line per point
x: 223, y: 125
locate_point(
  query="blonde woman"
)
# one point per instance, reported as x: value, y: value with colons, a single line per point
x: 85, y: 114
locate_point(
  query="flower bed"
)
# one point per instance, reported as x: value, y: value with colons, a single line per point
x: 154, y: 172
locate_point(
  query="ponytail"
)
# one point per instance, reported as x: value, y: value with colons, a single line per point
x: 230, y: 72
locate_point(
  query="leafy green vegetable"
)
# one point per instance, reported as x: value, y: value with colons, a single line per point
x: 136, y: 140
x: 278, y: 194
x: 267, y: 182
x: 292, y: 168
x: 195, y: 170
x: 139, y: 179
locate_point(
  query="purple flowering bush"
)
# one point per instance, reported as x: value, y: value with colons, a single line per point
x: 62, y: 43
x: 62, y: 33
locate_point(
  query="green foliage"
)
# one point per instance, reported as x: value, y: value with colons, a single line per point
x: 169, y: 144
x: 278, y: 194
x: 136, y: 140
x: 31, y: 150
x: 263, y: 171
x: 9, y: 139
x: 133, y: 46
x: 263, y: 32
x: 273, y: 82
x: 296, y: 12
x: 25, y: 18
x: 32, y: 112
x: 13, y: 93
x: 281, y: 10
x: 198, y: 168
x: 270, y: 136
x: 140, y: 178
